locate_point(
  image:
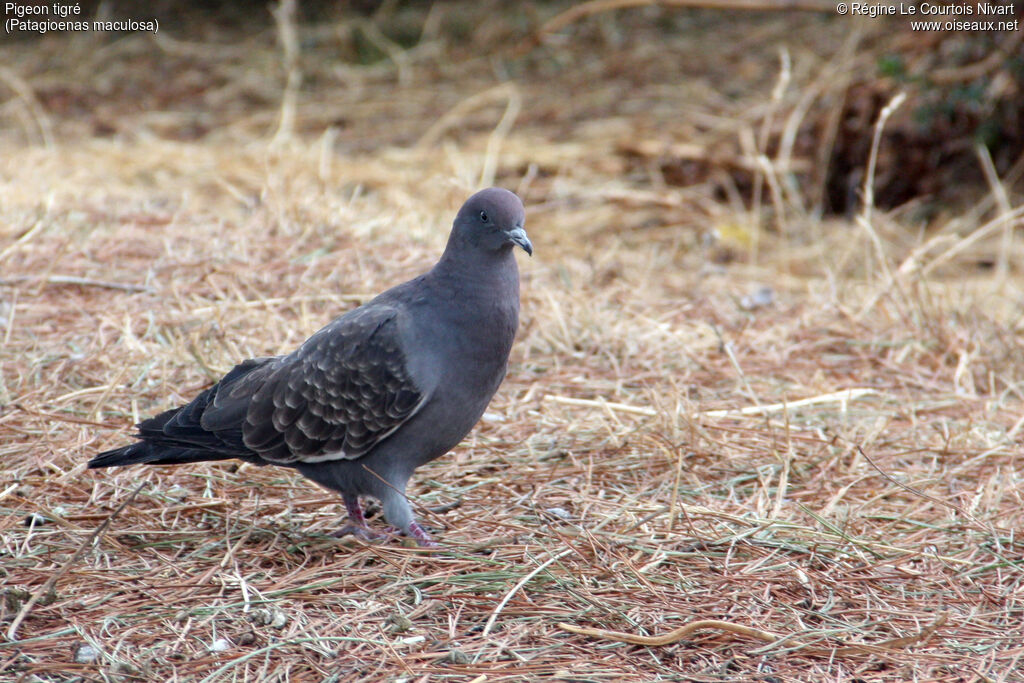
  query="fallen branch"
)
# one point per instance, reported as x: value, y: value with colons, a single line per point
x: 843, y: 396
x: 586, y: 9
x: 75, y: 280
x: 682, y: 632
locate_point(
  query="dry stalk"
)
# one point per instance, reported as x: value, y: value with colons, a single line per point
x: 864, y: 219
x: 24, y: 91
x: 518, y: 586
x: 452, y: 118
x: 1002, y: 201
x: 681, y: 633
x: 78, y: 281
x: 287, y: 32
x: 587, y: 9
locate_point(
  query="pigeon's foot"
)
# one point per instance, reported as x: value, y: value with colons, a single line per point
x: 421, y: 536
x: 417, y: 534
x: 363, y: 533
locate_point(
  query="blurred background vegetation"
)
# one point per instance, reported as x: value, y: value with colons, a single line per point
x: 808, y: 82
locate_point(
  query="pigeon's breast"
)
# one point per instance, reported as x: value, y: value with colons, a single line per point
x: 466, y: 349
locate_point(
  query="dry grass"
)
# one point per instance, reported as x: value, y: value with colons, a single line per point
x: 838, y: 466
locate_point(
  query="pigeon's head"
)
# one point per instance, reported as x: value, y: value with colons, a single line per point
x: 492, y: 219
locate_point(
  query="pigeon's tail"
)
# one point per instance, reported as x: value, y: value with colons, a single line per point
x: 153, y: 454
x: 177, y: 436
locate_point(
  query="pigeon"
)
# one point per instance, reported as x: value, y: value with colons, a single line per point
x: 381, y: 390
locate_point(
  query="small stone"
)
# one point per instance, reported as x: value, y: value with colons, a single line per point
x: 247, y: 638
x: 764, y: 296
x: 14, y: 598
x: 133, y: 540
x: 220, y: 645
x: 177, y: 491
x: 36, y: 519
x: 272, y: 617
x: 48, y: 598
x: 400, y: 623
x: 86, y: 653
x: 561, y: 513
x: 126, y: 668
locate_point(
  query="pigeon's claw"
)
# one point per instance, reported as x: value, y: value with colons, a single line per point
x: 421, y: 536
x: 415, y: 532
x: 356, y: 525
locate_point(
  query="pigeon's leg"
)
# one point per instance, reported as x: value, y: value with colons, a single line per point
x: 399, y: 515
x: 356, y: 525
x: 420, y: 534
x: 354, y: 509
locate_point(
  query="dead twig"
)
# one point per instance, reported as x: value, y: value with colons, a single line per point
x: 587, y: 9
x: 678, y: 634
x: 77, y: 281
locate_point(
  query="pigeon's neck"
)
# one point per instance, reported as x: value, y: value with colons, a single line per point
x: 477, y: 271
x: 478, y: 298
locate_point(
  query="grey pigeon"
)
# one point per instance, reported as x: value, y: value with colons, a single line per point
x: 381, y: 390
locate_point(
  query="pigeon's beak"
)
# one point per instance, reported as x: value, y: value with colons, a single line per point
x: 518, y: 236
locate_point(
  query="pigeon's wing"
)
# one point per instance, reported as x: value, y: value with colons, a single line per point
x: 341, y: 393
x: 188, y: 427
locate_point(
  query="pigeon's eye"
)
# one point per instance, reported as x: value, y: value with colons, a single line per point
x: 483, y: 216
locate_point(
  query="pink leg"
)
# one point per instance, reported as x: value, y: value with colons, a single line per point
x: 354, y: 510
x: 421, y: 536
x: 356, y: 525
x: 417, y: 533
